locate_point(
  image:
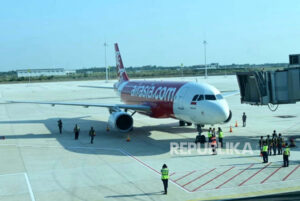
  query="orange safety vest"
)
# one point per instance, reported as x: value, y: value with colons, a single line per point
x: 213, y: 141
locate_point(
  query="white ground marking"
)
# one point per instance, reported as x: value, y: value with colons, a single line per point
x: 27, y: 182
x: 29, y: 187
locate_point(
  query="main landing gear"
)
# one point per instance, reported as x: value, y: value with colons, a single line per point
x: 182, y: 123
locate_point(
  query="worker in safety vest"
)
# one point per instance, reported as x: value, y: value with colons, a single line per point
x: 265, y: 152
x: 209, y: 134
x: 165, y: 177
x: 92, y: 134
x: 286, y: 154
x: 214, y: 144
x: 221, y: 135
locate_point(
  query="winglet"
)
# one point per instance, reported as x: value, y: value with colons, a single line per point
x: 122, y: 75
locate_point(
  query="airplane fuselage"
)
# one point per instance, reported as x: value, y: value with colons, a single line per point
x: 187, y: 101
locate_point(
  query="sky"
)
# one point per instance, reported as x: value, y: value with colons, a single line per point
x: 70, y: 33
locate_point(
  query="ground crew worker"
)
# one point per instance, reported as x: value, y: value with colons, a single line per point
x: 76, y: 131
x: 244, y: 118
x: 261, y: 144
x: 274, y: 133
x: 92, y: 134
x: 165, y: 177
x: 265, y: 152
x: 209, y: 134
x: 279, y: 144
x: 60, y: 125
x: 292, y: 142
x: 274, y: 143
x: 214, y: 144
x: 221, y: 135
x: 269, y: 143
x: 286, y: 154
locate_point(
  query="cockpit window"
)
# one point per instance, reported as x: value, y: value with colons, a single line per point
x: 210, y: 97
x: 200, y: 98
x: 219, y: 96
x: 195, y: 97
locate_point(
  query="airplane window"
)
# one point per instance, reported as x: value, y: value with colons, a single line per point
x: 201, y: 97
x: 219, y: 96
x: 210, y: 97
x: 195, y: 97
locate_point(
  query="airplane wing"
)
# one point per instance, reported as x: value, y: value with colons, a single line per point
x: 139, y: 108
x: 229, y: 93
x: 96, y: 87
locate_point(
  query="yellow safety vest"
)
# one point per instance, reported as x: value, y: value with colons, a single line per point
x: 209, y: 134
x: 286, y: 151
x: 221, y: 134
x: 165, y: 173
x: 265, y: 148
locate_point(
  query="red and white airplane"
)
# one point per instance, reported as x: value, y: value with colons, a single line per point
x: 189, y: 102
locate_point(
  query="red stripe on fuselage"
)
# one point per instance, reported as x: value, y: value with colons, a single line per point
x: 159, y: 95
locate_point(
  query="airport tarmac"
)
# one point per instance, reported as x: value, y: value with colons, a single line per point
x: 38, y: 163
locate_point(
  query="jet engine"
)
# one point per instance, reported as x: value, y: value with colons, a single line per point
x: 229, y: 117
x: 120, y: 121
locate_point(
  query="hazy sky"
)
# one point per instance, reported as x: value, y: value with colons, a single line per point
x: 70, y: 33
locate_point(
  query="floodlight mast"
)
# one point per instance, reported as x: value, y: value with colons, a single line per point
x: 204, y: 44
x: 106, y: 73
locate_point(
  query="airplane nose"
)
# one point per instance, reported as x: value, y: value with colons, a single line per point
x: 220, y: 113
x: 223, y: 113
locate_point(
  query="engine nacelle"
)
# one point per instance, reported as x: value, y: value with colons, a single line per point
x: 120, y: 121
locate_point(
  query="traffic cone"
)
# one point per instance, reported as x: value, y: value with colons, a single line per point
x: 236, y: 124
x: 128, y: 138
x: 230, y: 130
x: 107, y: 128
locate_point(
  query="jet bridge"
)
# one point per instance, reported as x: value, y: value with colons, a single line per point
x: 271, y: 88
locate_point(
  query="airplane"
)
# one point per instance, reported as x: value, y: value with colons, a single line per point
x: 189, y: 102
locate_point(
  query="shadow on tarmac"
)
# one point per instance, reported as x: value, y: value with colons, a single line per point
x: 136, y: 195
x: 275, y: 197
x: 142, y: 143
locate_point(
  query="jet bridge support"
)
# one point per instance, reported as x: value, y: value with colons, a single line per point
x: 270, y: 88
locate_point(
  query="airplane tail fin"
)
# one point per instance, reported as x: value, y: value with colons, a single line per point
x: 122, y: 75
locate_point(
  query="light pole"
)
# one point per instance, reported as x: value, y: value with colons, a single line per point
x: 204, y: 44
x: 106, y: 75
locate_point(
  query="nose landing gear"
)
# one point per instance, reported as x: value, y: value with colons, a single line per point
x: 200, y: 138
x: 199, y: 128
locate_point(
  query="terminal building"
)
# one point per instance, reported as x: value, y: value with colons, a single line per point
x: 41, y: 72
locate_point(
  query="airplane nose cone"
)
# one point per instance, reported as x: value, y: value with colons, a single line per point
x: 219, y: 114
x: 223, y: 113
